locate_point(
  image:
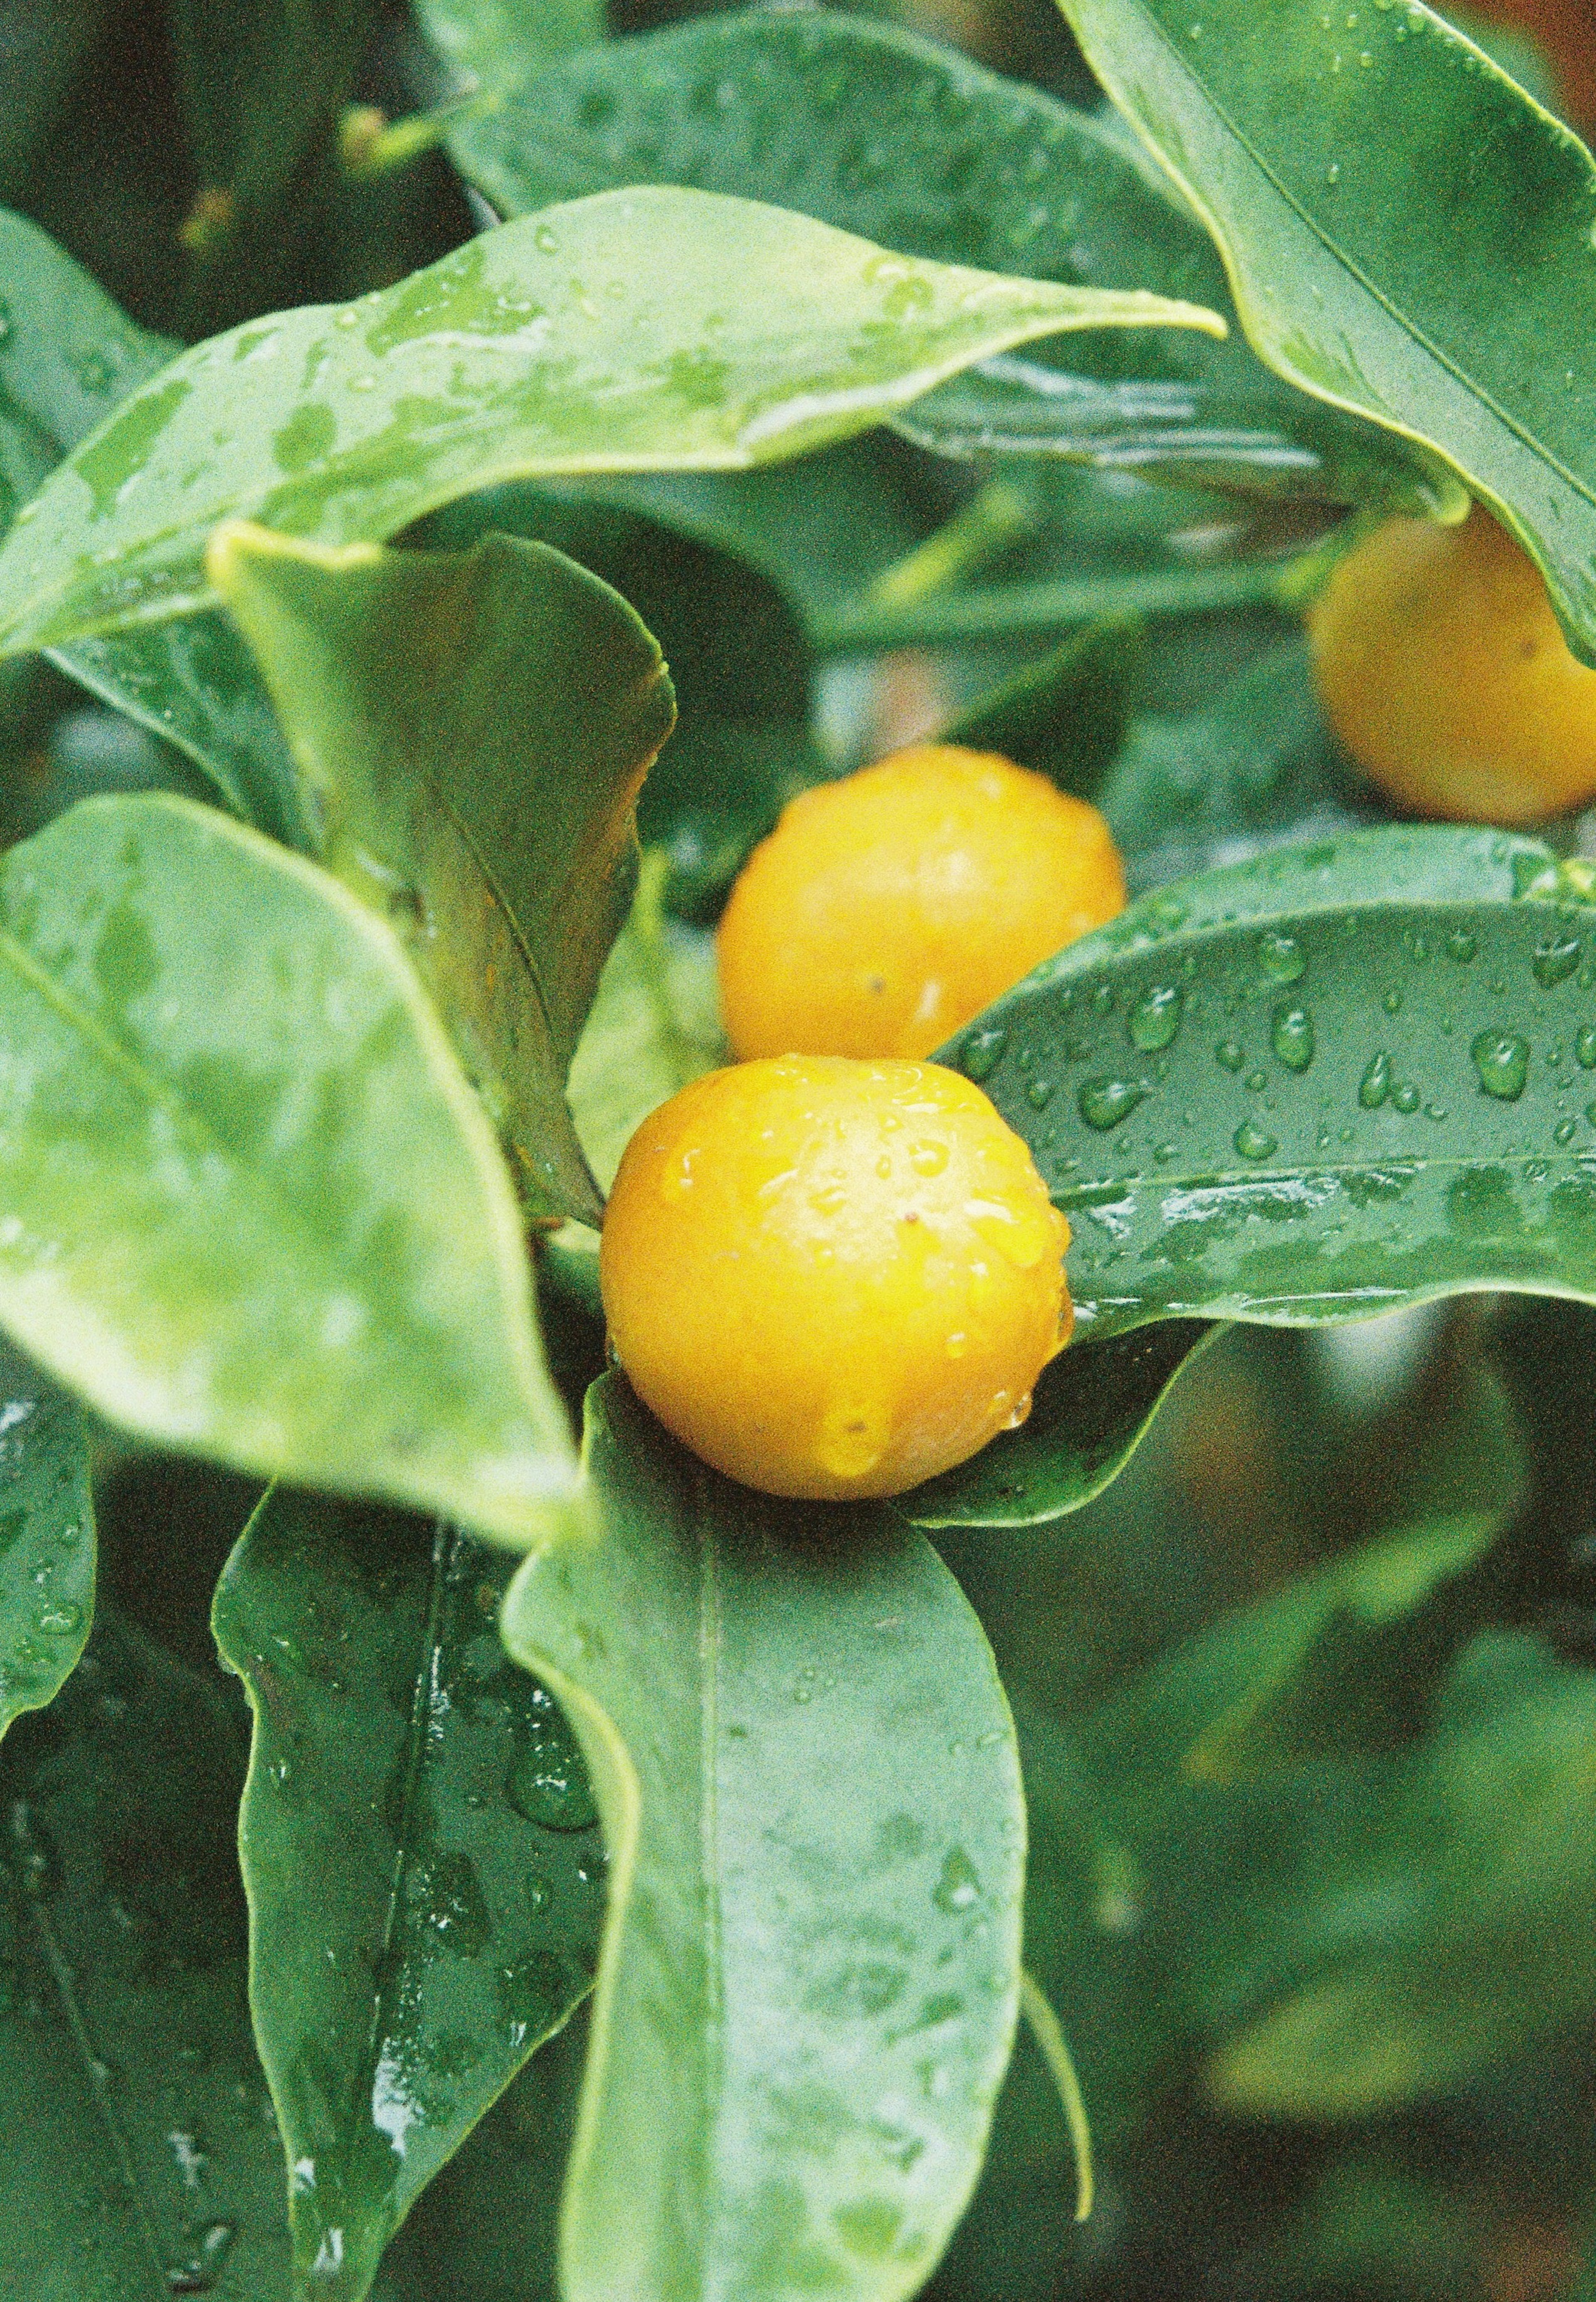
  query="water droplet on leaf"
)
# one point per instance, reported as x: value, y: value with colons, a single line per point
x: 1502, y: 1059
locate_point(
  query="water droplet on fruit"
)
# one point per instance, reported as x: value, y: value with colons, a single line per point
x: 1103, y: 1103
x: 1502, y: 1059
x: 1291, y: 1036
x: 928, y: 1158
x: 1155, y: 1018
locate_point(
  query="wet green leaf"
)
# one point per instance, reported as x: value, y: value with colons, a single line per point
x: 248, y: 1204
x: 139, y: 2153
x: 1353, y: 1073
x: 809, y: 1984
x: 472, y: 731
x: 649, y: 329
x: 1090, y: 1411
x: 47, y: 1538
x: 866, y: 127
x: 1375, y: 263
x: 67, y: 355
x: 420, y: 1853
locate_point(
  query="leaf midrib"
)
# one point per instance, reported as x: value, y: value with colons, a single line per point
x: 1394, y: 311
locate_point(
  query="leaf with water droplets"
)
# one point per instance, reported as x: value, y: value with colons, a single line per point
x: 137, y: 2149
x: 1376, y: 264
x: 811, y: 1791
x: 248, y: 1204
x: 46, y: 1538
x: 472, y: 730
x: 649, y: 329
x: 420, y: 1850
x: 1294, y: 1159
x: 865, y: 126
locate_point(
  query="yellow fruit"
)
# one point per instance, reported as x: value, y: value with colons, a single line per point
x: 886, y: 910
x: 833, y: 1278
x: 1443, y: 669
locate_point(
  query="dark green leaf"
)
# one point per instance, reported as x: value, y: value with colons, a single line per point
x: 657, y: 328
x: 1065, y: 715
x: 1090, y: 1410
x: 498, y: 43
x: 140, y: 2158
x: 421, y: 1854
x: 472, y: 731
x: 1427, y: 1931
x: 47, y: 1538
x: 1257, y: 761
x: 1353, y: 1073
x: 809, y: 1977
x: 67, y: 355
x: 43, y: 48
x: 868, y: 127
x: 1376, y: 263
x: 251, y: 1207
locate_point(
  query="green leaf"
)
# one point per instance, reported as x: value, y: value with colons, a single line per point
x: 866, y: 127
x: 1254, y: 761
x: 1066, y: 716
x: 251, y: 1207
x: 1375, y: 263
x: 499, y: 43
x: 47, y: 1538
x: 139, y: 2155
x: 421, y: 1854
x: 472, y: 731
x: 655, y: 1025
x: 67, y: 355
x: 1432, y: 1929
x: 1091, y: 1412
x: 44, y: 50
x: 1350, y: 1074
x: 809, y: 1983
x: 651, y: 329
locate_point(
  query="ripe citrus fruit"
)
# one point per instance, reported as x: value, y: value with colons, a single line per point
x: 887, y: 908
x: 1443, y: 669
x: 833, y: 1278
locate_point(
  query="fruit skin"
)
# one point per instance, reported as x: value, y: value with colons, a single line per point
x: 1441, y: 668
x: 830, y: 1278
x: 887, y: 909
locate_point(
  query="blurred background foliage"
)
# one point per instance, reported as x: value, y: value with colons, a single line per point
x: 1306, y: 1697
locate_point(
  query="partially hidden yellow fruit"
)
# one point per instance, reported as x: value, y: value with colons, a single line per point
x: 833, y: 1278
x: 1441, y: 668
x: 887, y: 908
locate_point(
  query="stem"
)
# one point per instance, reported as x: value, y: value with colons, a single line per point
x: 1048, y: 2034
x: 860, y: 627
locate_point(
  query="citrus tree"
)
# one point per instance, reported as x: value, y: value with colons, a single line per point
x: 463, y: 474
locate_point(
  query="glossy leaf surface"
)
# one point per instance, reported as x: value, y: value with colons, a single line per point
x: 251, y: 1207
x: 135, y: 2139
x: 871, y: 128
x: 421, y: 1853
x: 1351, y: 1074
x: 809, y: 1983
x: 47, y: 1538
x: 1375, y: 262
x: 642, y: 330
x: 1090, y: 1411
x: 472, y: 732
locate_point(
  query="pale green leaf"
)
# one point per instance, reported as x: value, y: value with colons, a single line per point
x: 646, y: 329
x: 248, y: 1204
x: 809, y: 1977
